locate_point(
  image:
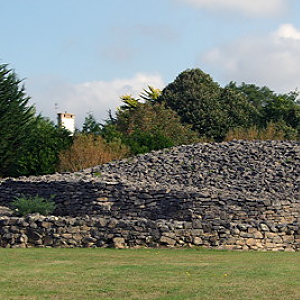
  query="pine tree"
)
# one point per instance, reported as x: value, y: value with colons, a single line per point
x: 16, y: 119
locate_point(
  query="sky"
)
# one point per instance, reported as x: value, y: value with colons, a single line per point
x: 80, y: 56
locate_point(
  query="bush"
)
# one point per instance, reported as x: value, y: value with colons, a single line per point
x: 152, y: 126
x: 90, y: 150
x: 33, y: 204
x: 273, y: 131
x: 143, y: 142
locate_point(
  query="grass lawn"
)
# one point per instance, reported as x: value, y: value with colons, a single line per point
x: 167, y: 274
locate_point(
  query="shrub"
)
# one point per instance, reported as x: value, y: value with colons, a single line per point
x: 154, y: 125
x: 273, y: 131
x: 90, y: 150
x: 25, y: 205
x: 143, y: 142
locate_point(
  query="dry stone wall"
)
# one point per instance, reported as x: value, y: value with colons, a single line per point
x: 237, y: 195
x: 52, y: 231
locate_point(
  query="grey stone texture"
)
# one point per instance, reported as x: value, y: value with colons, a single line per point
x: 234, y: 195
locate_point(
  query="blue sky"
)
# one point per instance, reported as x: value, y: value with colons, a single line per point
x: 84, y: 54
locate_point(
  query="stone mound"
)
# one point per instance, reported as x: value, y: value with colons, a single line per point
x: 242, y: 166
x: 234, y: 195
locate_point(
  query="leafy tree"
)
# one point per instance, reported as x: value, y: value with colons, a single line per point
x: 283, y: 108
x: 156, y: 119
x: 16, y: 119
x: 237, y: 111
x: 270, y: 107
x: 145, y: 141
x: 145, y: 125
x: 195, y: 98
x: 90, y: 125
x: 150, y: 125
x: 131, y: 105
x: 257, y: 96
x: 210, y: 109
x: 41, y: 153
x: 110, y: 132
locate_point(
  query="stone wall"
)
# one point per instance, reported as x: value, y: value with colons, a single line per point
x: 41, y: 231
x: 241, y: 195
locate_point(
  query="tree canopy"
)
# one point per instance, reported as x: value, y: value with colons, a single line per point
x: 270, y: 107
x: 213, y: 111
x: 194, y: 96
x: 16, y: 119
x: 150, y: 125
x: 90, y: 125
x: 41, y: 153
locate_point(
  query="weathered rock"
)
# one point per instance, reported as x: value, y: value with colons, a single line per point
x: 197, y: 241
x: 6, y: 211
x: 165, y: 240
x: 119, y: 242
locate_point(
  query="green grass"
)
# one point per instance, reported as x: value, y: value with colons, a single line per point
x: 148, y: 274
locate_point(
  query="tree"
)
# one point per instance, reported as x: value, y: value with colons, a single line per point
x: 149, y: 125
x: 195, y: 98
x: 145, y: 141
x: 41, y: 153
x: 29, y: 144
x: 212, y: 110
x: 16, y: 119
x: 283, y: 109
x: 145, y: 124
x: 157, y: 118
x: 237, y: 111
x: 90, y: 125
x: 257, y: 96
x: 201, y: 102
x: 152, y: 126
x: 152, y: 94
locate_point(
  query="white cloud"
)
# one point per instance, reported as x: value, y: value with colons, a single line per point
x: 96, y: 97
x: 248, y: 7
x: 287, y: 31
x: 271, y: 60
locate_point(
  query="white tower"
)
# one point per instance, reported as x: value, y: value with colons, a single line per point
x: 67, y: 121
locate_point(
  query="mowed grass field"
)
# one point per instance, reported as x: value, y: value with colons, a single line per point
x: 148, y: 274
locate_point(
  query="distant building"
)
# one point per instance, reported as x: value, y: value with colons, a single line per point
x: 67, y: 121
